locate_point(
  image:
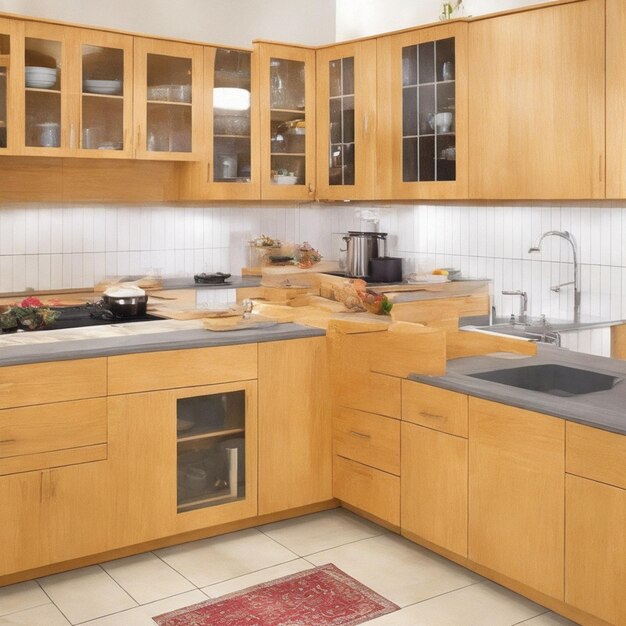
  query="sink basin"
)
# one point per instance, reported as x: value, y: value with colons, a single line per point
x: 556, y: 380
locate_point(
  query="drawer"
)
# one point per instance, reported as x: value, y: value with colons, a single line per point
x: 368, y: 489
x: 149, y: 371
x: 52, y: 435
x: 370, y: 439
x: 439, y: 409
x: 596, y: 454
x: 58, y: 381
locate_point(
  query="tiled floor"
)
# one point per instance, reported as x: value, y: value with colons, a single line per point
x: 130, y: 591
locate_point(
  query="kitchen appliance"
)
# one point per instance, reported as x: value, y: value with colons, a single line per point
x: 386, y: 270
x: 362, y: 247
x: 125, y: 300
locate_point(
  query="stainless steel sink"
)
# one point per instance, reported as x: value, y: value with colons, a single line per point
x: 551, y: 378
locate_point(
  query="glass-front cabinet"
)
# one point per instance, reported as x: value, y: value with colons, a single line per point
x: 7, y: 86
x: 168, y: 100
x: 346, y: 111
x: 287, y: 101
x: 216, y: 450
x: 422, y: 113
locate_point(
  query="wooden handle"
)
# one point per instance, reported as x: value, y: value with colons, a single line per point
x: 431, y: 415
x: 361, y: 435
x: 208, y: 172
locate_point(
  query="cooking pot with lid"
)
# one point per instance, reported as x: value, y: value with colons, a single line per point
x: 125, y: 300
x: 362, y: 247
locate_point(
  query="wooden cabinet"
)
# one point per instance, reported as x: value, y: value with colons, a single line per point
x: 230, y: 167
x: 346, y: 120
x: 422, y: 113
x: 294, y: 424
x: 9, y: 87
x: 434, y: 487
x: 168, y: 100
x: 287, y: 102
x: 537, y: 103
x: 516, y: 494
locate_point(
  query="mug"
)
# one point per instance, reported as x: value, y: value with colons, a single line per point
x: 443, y: 122
x: 49, y: 135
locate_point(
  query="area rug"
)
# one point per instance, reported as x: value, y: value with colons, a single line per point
x: 323, y: 596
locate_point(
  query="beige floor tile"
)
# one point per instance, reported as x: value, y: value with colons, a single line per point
x: 142, y: 615
x: 215, y: 560
x: 146, y: 578
x: 21, y: 596
x: 44, y: 615
x: 86, y: 593
x: 397, y: 569
x: 256, y: 578
x: 477, y: 605
x: 548, y: 619
x: 321, y: 531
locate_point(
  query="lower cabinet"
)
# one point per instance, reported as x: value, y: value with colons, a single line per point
x: 434, y: 487
x: 516, y: 494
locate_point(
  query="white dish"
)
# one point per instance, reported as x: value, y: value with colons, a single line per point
x: 40, y: 77
x: 282, y: 179
x: 182, y: 425
x: 32, y: 70
x: 104, y: 87
x: 416, y: 279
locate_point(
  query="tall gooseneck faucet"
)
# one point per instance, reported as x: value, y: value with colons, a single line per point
x: 576, y: 282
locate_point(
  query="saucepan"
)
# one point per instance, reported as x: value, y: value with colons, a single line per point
x: 125, y: 300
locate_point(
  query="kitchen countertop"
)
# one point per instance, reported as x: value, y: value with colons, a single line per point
x: 600, y: 409
x: 187, y: 282
x: 61, y: 345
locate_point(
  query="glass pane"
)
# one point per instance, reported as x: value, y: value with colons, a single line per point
x: 348, y: 119
x: 231, y: 116
x: 426, y: 158
x: 287, y: 84
x: 409, y: 65
x: 103, y: 70
x: 426, y: 63
x: 5, y: 49
x: 334, y: 72
x: 169, y: 128
x: 348, y: 76
x: 336, y: 131
x: 409, y: 111
x: 210, y: 450
x: 445, y: 59
x: 409, y: 160
x: 446, y: 157
x: 348, y: 165
x: 169, y: 79
x: 341, y: 130
x: 427, y: 110
x: 43, y: 97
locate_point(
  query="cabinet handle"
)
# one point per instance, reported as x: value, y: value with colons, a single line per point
x: 361, y: 435
x: 311, y: 188
x: 600, y: 169
x: 431, y: 415
x: 138, y: 136
x: 208, y: 172
x: 72, y: 136
x: 367, y: 122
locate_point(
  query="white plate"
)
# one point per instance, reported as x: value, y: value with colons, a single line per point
x: 40, y: 83
x: 281, y: 179
x: 426, y: 279
x: 105, y: 87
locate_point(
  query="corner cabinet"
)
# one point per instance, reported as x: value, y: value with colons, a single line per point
x: 537, y: 107
x: 346, y: 117
x: 422, y: 113
x: 168, y: 100
x: 287, y: 103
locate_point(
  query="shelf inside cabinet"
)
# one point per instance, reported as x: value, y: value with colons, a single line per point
x: 221, y: 497
x: 286, y: 115
x: 38, y: 90
x: 288, y: 154
x: 247, y: 137
x: 209, y: 435
x: 168, y: 103
x: 103, y: 95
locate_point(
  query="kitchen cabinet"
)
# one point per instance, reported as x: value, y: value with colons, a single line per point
x: 537, y: 103
x: 287, y: 102
x: 230, y: 168
x: 9, y: 86
x: 168, y: 100
x: 422, y: 113
x: 346, y: 120
x: 516, y: 494
x: 295, y: 460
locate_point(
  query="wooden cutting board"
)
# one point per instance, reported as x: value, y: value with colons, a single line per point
x: 223, y: 324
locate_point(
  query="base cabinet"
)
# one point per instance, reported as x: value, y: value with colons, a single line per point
x: 434, y: 487
x: 517, y: 494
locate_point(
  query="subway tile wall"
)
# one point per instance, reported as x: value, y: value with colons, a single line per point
x: 52, y: 247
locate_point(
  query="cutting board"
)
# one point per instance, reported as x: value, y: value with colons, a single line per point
x: 222, y: 324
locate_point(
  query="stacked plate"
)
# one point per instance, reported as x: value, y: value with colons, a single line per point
x: 104, y: 87
x: 41, y: 77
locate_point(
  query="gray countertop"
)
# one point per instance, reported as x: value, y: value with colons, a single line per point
x: 153, y: 342
x: 601, y: 409
x: 233, y: 282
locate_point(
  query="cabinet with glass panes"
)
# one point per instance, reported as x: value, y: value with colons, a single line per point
x: 423, y: 112
x: 6, y: 84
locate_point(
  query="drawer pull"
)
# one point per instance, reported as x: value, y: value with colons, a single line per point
x: 361, y: 435
x: 431, y: 415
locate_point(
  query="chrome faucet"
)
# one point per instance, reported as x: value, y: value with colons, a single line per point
x: 523, y: 304
x: 576, y: 282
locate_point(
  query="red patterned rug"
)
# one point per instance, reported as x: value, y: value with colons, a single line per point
x: 323, y: 596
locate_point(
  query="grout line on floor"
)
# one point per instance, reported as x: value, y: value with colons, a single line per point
x: 35, y: 606
x: 341, y: 545
x: 524, y: 621
x: 174, y: 569
x: 58, y: 608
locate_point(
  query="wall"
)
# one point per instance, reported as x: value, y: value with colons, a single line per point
x: 360, y: 19
x: 234, y: 22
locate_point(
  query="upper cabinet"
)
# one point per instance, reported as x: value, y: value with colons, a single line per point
x: 346, y: 117
x: 168, y: 100
x: 422, y: 113
x: 8, y: 86
x: 537, y: 105
x: 229, y: 169
x: 287, y: 102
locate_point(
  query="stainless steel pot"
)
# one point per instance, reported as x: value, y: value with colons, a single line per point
x: 362, y: 247
x: 126, y: 306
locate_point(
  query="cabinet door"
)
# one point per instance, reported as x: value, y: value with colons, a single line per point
x: 230, y: 166
x: 168, y: 100
x: 44, y: 97
x: 537, y: 103
x: 434, y: 487
x: 287, y: 101
x: 104, y: 80
x: 294, y: 424
x: 595, y: 549
x: 615, y: 99
x: 517, y: 494
x: 21, y: 544
x: 422, y: 113
x: 346, y: 114
x: 10, y: 86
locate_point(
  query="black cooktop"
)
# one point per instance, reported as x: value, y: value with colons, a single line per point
x: 91, y: 314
